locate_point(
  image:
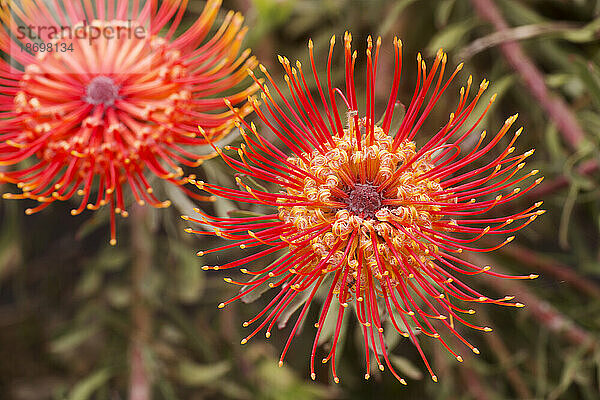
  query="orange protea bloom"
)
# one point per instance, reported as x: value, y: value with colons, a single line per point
x: 364, y: 213
x: 109, y: 95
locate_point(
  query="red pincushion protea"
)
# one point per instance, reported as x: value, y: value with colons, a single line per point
x: 364, y: 213
x: 107, y: 97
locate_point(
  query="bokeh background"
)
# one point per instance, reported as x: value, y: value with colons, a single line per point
x: 66, y: 295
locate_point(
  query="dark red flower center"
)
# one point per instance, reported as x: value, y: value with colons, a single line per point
x: 364, y: 199
x: 102, y: 90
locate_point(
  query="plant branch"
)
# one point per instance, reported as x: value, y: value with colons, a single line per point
x: 515, y: 34
x: 533, y: 78
x: 587, y: 168
x: 555, y: 268
x: 473, y: 382
x: 504, y: 357
x: 541, y: 310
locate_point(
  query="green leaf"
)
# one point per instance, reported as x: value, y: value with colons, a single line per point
x: 442, y: 13
x: 193, y: 374
x: 451, y: 37
x: 167, y: 390
x: 72, y: 339
x: 294, y: 305
x: 282, y: 383
x: 10, y: 257
x: 89, y: 283
x: 274, y: 13
x: 520, y: 13
x: 392, y: 16
x: 586, y: 34
x: 233, y: 390
x: 557, y: 80
x: 590, y: 76
x: 330, y: 324
x: 572, y: 365
x: 406, y: 367
x: 118, y: 296
x: 182, y: 203
x: 201, y: 344
x: 591, y: 120
x: 111, y: 259
x: 85, y: 388
x: 189, y: 277
x: 554, y: 145
x: 98, y: 219
x: 257, y: 291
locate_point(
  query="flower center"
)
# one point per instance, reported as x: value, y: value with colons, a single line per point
x: 102, y: 90
x: 364, y: 199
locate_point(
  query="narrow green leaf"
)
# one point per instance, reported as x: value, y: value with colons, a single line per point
x: 442, y: 13
x: 72, y: 339
x: 590, y: 76
x: 294, y: 305
x: 190, y: 279
x: 406, y: 367
x: 86, y: 388
x: 392, y: 16
x: 451, y: 37
x: 194, y: 374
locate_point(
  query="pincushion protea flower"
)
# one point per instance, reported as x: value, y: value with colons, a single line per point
x: 112, y: 96
x: 364, y: 213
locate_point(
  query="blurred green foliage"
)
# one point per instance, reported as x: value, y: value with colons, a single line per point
x: 65, y: 293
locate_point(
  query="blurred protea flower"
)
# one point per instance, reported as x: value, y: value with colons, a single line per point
x: 96, y: 93
x: 363, y: 213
